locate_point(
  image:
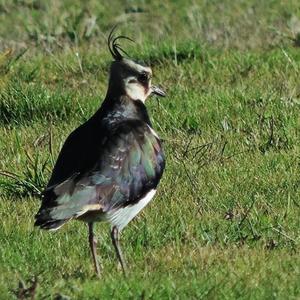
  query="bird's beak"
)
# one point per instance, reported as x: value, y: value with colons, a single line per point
x: 155, y: 90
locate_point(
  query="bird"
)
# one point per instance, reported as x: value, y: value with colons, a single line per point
x: 110, y: 166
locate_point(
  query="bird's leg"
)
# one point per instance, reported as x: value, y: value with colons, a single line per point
x: 93, y: 243
x: 115, y: 241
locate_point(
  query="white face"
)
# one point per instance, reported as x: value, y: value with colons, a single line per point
x: 135, y: 90
x: 138, y: 86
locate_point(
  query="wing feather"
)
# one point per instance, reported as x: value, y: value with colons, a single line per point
x: 129, y: 164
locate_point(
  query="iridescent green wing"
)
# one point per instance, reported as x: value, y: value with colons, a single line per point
x: 134, y: 161
x: 129, y: 165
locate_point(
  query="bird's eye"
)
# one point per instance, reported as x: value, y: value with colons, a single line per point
x: 143, y: 77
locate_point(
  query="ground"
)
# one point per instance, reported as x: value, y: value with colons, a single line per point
x: 225, y: 222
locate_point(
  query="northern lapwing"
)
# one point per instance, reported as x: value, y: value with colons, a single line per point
x: 109, y: 167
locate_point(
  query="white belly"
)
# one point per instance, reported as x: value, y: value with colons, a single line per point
x: 122, y: 216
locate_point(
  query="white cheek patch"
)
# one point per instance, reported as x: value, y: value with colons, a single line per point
x: 135, y: 90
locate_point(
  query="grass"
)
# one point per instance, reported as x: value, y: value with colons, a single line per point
x: 225, y: 222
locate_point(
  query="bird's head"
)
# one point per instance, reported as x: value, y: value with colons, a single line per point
x: 128, y: 77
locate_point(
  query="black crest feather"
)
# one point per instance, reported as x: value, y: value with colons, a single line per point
x: 114, y: 48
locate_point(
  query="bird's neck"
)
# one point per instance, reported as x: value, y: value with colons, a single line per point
x: 116, y: 109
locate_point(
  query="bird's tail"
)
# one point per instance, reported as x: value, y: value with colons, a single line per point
x: 44, y: 221
x: 64, y: 202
